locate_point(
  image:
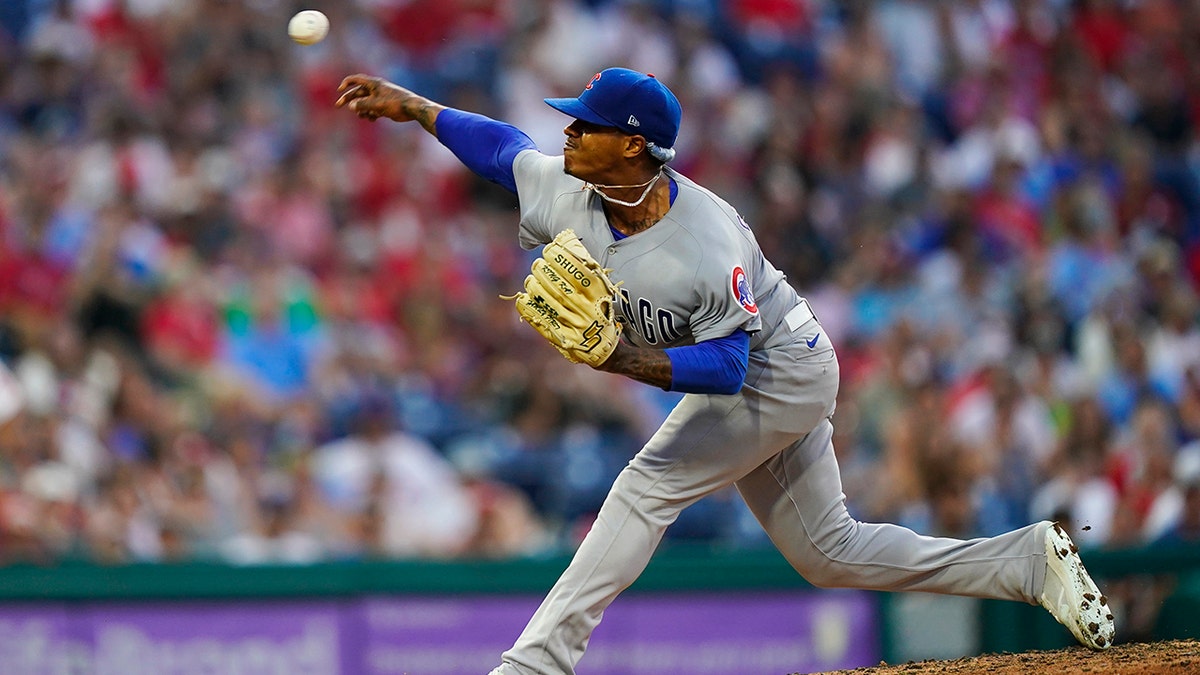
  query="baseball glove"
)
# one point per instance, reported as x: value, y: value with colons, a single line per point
x: 568, y: 298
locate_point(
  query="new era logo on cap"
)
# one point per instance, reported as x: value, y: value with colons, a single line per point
x: 636, y: 103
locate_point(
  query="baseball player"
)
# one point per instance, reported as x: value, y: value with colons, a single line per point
x: 704, y: 313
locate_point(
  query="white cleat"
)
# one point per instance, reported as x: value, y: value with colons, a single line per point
x: 1071, y: 596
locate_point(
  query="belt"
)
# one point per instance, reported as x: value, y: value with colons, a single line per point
x: 799, y: 315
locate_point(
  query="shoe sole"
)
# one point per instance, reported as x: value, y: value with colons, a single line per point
x: 1088, y: 615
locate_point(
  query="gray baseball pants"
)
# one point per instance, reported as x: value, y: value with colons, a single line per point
x: 774, y: 442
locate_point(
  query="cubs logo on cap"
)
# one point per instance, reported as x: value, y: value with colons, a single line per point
x: 740, y: 285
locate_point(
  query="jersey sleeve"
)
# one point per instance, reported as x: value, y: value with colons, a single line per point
x: 482, y: 144
x: 725, y: 300
x: 711, y: 367
x: 540, y: 180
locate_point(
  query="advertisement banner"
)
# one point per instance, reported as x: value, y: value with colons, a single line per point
x: 659, y: 634
x: 192, y: 638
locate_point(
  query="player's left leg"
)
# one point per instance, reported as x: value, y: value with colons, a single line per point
x: 797, y: 497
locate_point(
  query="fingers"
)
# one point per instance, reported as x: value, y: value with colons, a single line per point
x: 360, y: 102
x: 354, y: 92
x: 355, y: 80
x: 358, y: 92
x: 348, y: 96
x: 354, y: 87
x: 365, y: 109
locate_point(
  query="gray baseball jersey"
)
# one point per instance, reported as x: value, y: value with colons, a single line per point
x: 699, y: 274
x: 696, y: 275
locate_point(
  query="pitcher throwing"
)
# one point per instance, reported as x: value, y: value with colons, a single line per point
x: 702, y: 312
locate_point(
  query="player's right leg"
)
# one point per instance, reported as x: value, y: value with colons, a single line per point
x: 682, y: 463
x: 705, y: 444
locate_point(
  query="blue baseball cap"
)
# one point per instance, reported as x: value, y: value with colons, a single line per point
x: 636, y: 103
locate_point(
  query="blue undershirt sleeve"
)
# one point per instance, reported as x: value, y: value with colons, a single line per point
x: 711, y: 367
x: 483, y: 145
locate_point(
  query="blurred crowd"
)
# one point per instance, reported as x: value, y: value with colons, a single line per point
x: 242, y: 325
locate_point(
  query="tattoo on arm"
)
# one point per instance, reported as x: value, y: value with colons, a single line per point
x: 424, y: 111
x: 650, y: 366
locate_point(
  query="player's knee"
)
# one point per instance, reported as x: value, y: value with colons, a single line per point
x: 827, y: 574
x: 823, y: 561
x: 634, y: 493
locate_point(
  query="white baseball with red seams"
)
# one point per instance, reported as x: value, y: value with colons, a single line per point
x: 308, y: 27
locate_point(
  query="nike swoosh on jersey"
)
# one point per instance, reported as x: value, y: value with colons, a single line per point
x: 813, y: 342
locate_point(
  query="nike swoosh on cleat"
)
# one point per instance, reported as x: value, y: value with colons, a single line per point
x: 813, y: 342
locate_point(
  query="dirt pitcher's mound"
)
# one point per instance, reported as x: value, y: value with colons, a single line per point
x: 1178, y: 657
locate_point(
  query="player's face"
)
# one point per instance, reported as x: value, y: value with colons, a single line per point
x: 592, y: 151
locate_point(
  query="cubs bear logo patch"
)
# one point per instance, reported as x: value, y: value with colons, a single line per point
x: 740, y: 286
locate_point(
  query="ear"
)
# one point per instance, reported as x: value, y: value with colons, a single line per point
x: 634, y: 146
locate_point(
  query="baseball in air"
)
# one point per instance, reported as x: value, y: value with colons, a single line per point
x: 308, y: 27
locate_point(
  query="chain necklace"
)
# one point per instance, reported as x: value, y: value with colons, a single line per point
x: 649, y: 185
